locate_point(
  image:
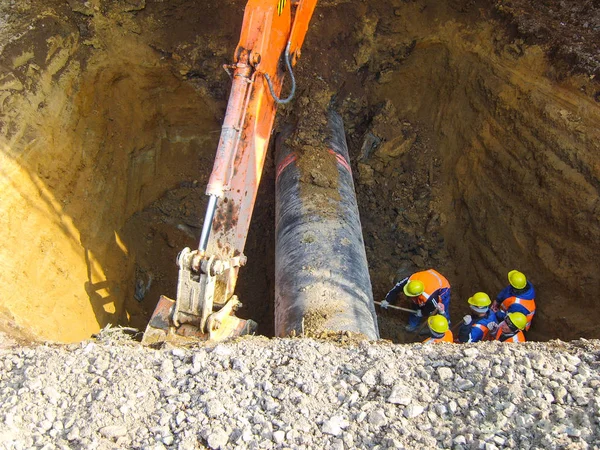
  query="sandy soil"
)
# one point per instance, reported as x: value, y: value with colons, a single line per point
x: 472, y: 125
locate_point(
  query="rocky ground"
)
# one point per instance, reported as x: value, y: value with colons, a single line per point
x: 300, y: 393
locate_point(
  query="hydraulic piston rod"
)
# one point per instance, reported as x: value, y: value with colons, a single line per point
x: 208, y: 219
x: 321, y: 271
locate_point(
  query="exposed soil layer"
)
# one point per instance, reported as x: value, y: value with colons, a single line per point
x: 473, y: 127
x: 568, y: 30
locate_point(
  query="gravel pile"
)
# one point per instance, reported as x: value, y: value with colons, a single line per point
x: 301, y: 393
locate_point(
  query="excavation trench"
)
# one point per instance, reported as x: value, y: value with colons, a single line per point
x: 471, y: 153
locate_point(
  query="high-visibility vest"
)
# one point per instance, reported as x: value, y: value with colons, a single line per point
x: 529, y: 305
x: 447, y: 337
x: 517, y: 337
x: 432, y: 281
x: 485, y: 330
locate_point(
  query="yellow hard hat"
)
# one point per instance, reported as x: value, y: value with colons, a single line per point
x: 414, y: 288
x: 438, y: 323
x: 480, y: 300
x: 518, y: 319
x: 517, y: 279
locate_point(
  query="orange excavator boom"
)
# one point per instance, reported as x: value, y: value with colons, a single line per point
x: 272, y: 35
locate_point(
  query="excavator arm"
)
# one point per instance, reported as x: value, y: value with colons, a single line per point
x: 271, y: 39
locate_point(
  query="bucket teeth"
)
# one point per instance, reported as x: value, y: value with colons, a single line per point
x: 224, y: 325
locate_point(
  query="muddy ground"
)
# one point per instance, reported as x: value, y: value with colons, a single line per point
x: 472, y: 126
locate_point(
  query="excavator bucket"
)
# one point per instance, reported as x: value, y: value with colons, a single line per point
x: 161, y: 327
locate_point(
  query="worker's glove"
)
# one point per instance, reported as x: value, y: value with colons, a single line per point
x: 493, y: 327
x: 440, y: 307
x: 384, y: 304
x: 467, y: 320
x: 419, y: 313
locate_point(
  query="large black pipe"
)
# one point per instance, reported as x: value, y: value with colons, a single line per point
x: 322, y: 279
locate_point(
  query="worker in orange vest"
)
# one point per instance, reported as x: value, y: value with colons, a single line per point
x: 439, y: 330
x: 511, y: 329
x: 518, y: 296
x: 475, y: 325
x: 430, y: 292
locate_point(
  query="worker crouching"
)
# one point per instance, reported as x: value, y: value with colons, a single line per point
x: 439, y: 330
x: 511, y: 329
x: 429, y: 290
x: 475, y: 326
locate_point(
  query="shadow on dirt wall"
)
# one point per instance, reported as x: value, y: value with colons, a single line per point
x: 96, y: 136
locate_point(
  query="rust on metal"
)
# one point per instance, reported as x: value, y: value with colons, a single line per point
x: 161, y: 329
x: 226, y: 217
x: 162, y: 313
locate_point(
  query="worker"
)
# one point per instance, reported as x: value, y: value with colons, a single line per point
x: 439, y: 330
x: 475, y: 326
x: 518, y: 296
x: 511, y: 328
x: 430, y: 292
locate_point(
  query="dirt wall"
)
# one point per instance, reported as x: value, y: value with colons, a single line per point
x: 520, y: 182
x: 93, y: 130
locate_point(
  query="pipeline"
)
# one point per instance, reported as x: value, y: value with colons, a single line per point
x: 321, y: 271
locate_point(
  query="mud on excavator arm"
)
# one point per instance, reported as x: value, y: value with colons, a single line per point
x: 272, y: 35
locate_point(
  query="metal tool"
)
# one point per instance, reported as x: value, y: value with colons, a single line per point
x: 399, y: 308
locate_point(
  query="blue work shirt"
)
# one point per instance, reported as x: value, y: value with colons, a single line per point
x: 474, y: 332
x: 527, y: 293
